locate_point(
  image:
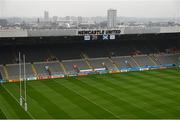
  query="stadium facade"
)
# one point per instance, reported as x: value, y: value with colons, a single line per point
x: 76, y: 32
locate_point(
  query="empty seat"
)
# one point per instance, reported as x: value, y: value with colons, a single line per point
x: 13, y: 71
x: 98, y: 63
x: 124, y: 61
x: 144, y: 60
x: 2, y: 72
x: 168, y: 58
x: 53, y: 66
x: 81, y: 65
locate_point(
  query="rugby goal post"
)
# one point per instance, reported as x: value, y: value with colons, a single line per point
x: 22, y: 83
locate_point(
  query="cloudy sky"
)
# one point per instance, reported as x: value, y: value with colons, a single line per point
x: 133, y: 8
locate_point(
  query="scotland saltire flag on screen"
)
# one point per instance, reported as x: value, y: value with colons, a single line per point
x: 105, y: 37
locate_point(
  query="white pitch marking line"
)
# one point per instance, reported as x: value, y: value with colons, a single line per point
x: 93, y: 102
x: 17, y: 101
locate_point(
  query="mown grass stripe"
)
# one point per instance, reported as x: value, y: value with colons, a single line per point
x: 166, y: 77
x: 93, y: 109
x: 156, y: 90
x: 32, y: 104
x: 100, y: 95
x: 2, y: 115
x: 62, y: 102
x: 171, y: 71
x: 45, y: 103
x: 163, y: 95
x: 119, y: 88
x: 167, y: 73
x: 167, y: 84
x: 87, y: 98
x: 156, y: 80
x: 132, y: 108
x: 14, y: 105
x: 4, y: 105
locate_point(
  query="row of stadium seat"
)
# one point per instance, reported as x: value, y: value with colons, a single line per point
x: 61, y: 52
x: 2, y: 71
x: 144, y: 60
x: 11, y: 71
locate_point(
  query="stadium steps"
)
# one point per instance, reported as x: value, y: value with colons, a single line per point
x: 135, y: 61
x: 34, y: 69
x: 88, y: 63
x: 115, y: 66
x: 6, y: 73
x: 83, y: 55
x: 50, y: 54
x: 152, y: 60
x: 14, y: 55
x: 156, y: 60
x: 62, y: 66
x: 86, y: 59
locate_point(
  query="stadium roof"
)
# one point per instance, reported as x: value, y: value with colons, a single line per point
x: 74, y: 32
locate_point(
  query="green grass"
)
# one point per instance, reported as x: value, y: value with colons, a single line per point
x: 147, y: 94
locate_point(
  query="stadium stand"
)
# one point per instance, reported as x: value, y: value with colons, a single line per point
x: 13, y: 71
x: 155, y: 59
x: 32, y: 53
x: 177, y: 60
x: 168, y: 58
x: 62, y: 52
x: 124, y: 61
x: 144, y: 60
x: 70, y: 54
x: 101, y: 63
x: 6, y: 54
x: 73, y: 66
x: 2, y: 74
x: 43, y: 68
x: 101, y: 50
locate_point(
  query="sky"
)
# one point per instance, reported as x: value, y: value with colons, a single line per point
x: 89, y: 8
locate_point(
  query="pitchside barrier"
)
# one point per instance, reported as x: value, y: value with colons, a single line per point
x: 2, y: 81
x: 94, y: 71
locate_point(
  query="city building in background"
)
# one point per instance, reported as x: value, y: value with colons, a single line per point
x: 3, y: 22
x: 46, y: 16
x: 111, y: 18
x: 54, y: 18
